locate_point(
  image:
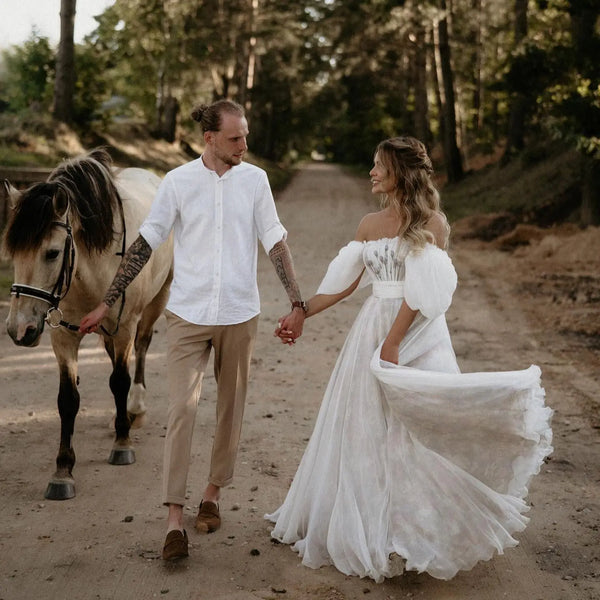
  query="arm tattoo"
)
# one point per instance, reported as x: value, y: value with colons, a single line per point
x: 281, y: 258
x: 134, y: 259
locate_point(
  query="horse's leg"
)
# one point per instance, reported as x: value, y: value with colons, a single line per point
x: 136, y: 406
x: 62, y: 484
x: 120, y: 381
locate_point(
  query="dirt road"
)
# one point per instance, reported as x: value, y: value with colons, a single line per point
x: 105, y: 543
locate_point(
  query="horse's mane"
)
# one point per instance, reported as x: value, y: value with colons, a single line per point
x: 86, y: 186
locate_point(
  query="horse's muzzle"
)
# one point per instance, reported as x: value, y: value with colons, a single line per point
x: 30, y: 337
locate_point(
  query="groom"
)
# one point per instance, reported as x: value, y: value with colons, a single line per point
x: 217, y: 208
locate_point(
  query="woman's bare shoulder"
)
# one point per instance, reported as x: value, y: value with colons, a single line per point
x: 368, y: 225
x: 438, y: 226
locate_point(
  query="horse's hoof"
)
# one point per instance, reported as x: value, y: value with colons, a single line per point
x: 136, y: 421
x: 60, y: 489
x: 121, y: 456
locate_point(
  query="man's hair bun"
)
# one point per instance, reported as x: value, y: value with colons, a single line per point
x: 198, y: 112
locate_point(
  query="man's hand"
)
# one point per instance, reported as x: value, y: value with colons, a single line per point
x: 91, y: 321
x: 290, y: 327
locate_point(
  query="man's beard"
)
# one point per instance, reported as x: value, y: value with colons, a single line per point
x: 232, y: 161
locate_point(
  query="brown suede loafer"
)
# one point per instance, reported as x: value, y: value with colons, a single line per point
x: 208, y: 519
x: 176, y: 545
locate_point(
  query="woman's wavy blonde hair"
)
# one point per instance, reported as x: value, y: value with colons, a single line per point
x: 415, y: 198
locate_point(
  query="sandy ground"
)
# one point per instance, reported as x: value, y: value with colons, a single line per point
x: 105, y: 543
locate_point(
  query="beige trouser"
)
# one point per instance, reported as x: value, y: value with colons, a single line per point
x: 189, y: 348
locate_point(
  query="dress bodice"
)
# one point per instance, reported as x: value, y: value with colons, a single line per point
x: 384, y: 258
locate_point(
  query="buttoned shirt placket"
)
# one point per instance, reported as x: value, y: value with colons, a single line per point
x: 217, y: 267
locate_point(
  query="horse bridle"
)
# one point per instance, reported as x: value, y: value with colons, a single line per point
x: 61, y: 287
x: 54, y: 316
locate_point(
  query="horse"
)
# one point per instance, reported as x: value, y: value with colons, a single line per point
x: 65, y: 238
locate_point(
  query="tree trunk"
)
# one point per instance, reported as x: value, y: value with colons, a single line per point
x: 64, y: 85
x: 518, y: 110
x: 475, y: 40
x: 583, y: 20
x: 453, y: 159
x: 436, y: 76
x: 590, y: 192
x: 160, y: 98
x: 421, y: 112
x: 169, y: 120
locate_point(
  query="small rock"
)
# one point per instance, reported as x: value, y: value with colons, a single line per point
x: 255, y: 552
x: 127, y: 519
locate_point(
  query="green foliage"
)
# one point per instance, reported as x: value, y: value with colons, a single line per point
x: 28, y: 76
x: 90, y: 89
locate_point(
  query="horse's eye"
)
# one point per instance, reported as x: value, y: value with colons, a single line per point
x: 52, y: 254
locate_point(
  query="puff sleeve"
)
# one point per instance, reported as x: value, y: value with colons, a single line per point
x: 344, y: 269
x: 430, y: 281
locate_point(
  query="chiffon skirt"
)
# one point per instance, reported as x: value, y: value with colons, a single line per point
x: 415, y: 466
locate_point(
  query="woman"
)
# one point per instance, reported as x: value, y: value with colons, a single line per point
x: 411, y: 465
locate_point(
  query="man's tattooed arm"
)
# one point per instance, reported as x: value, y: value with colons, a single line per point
x: 281, y: 257
x: 134, y: 259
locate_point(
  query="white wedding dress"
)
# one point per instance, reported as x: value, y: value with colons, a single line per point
x: 415, y: 466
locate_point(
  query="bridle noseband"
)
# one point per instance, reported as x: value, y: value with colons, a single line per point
x: 61, y: 287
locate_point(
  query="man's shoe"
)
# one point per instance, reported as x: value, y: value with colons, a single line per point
x: 176, y: 545
x: 208, y: 519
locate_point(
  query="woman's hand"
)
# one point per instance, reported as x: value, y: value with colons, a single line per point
x: 389, y: 352
x: 290, y: 327
x: 91, y: 321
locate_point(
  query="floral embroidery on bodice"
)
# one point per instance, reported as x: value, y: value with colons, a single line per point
x: 384, y: 258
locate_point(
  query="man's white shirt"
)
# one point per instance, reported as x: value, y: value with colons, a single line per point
x: 216, y: 223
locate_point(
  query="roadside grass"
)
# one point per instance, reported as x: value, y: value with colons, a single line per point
x: 525, y: 184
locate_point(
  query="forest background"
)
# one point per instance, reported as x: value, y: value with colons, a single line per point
x: 509, y: 82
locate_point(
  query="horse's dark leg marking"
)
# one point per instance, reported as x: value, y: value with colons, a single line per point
x: 120, y: 382
x: 142, y: 342
x: 62, y: 486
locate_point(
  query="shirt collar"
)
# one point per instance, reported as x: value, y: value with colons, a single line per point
x: 225, y: 175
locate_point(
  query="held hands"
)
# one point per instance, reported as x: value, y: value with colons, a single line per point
x: 91, y: 321
x: 290, y: 327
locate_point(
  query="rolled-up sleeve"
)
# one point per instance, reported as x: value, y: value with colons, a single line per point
x: 269, y: 227
x: 159, y: 222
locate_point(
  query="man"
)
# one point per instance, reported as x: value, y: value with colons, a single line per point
x: 217, y: 208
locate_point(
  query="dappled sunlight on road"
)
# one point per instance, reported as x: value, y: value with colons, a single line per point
x: 29, y: 358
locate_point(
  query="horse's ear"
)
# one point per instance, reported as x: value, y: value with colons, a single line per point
x: 10, y: 192
x: 60, y: 202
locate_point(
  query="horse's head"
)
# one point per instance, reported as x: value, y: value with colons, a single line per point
x: 36, y: 240
x: 80, y: 193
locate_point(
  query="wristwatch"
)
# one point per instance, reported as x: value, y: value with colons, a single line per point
x: 300, y: 304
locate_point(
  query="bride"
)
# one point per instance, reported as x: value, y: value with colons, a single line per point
x: 412, y: 464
